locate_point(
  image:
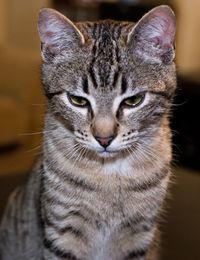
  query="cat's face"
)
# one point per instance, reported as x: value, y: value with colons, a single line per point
x: 110, y: 85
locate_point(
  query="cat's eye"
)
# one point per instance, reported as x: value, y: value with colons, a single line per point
x: 78, y: 101
x: 134, y: 101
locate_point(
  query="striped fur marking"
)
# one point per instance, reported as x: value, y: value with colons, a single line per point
x: 57, y: 251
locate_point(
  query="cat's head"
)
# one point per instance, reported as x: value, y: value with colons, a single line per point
x: 109, y: 84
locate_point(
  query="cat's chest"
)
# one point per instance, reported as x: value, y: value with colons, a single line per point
x: 120, y: 215
x: 117, y: 205
x: 123, y: 205
x: 105, y: 217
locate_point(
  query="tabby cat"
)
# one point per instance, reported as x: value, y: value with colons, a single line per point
x: 97, y: 191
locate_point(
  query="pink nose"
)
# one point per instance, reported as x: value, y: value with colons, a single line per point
x: 105, y: 141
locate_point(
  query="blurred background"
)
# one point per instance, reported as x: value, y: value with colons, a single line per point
x: 22, y: 104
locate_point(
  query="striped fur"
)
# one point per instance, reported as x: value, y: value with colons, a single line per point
x: 83, y: 201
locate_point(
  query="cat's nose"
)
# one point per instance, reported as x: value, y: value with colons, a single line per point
x: 105, y: 141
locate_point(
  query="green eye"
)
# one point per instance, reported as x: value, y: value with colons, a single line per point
x: 78, y: 101
x: 134, y: 101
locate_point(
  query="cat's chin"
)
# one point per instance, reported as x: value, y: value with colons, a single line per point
x: 107, y: 154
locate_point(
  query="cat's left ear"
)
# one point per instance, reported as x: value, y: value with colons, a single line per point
x: 152, y: 38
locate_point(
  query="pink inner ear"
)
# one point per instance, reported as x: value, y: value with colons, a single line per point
x: 161, y: 23
x: 51, y: 25
x: 164, y: 36
x: 48, y: 35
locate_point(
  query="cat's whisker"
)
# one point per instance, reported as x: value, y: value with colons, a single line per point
x: 179, y: 104
x: 34, y: 148
x: 150, y: 155
x: 38, y: 133
x: 79, y: 157
x: 34, y: 133
x: 71, y: 151
x: 134, y: 155
x: 82, y: 153
x: 78, y: 152
x: 139, y: 155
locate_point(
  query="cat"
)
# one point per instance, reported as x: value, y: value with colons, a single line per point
x: 97, y: 191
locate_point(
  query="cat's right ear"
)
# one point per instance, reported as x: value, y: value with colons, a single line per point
x: 57, y: 34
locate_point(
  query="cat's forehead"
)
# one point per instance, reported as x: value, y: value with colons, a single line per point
x: 105, y: 30
x: 105, y: 62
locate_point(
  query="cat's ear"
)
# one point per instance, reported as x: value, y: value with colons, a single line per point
x: 152, y: 38
x: 57, y: 34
